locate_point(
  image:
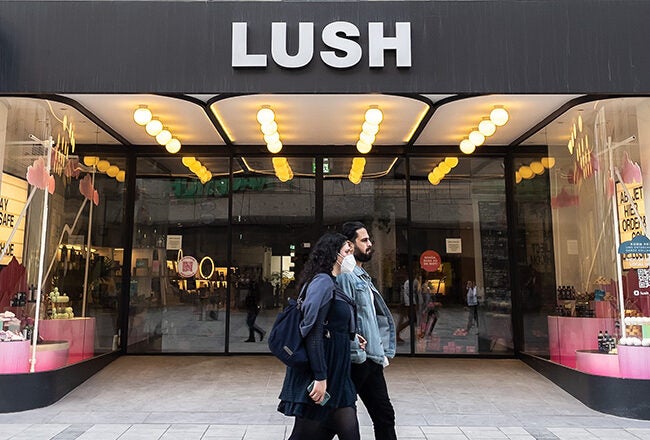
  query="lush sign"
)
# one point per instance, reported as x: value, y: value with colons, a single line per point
x: 339, y: 36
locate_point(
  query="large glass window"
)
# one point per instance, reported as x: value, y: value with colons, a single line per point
x: 179, y: 266
x: 595, y: 167
x: 61, y: 216
x: 273, y: 217
x: 378, y: 200
x: 459, y: 236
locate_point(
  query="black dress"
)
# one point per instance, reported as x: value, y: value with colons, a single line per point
x: 333, y: 331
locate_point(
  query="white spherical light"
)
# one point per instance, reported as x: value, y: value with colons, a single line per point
x: 363, y: 148
x: 499, y: 116
x: 477, y: 138
x: 265, y: 115
x: 163, y: 137
x: 367, y: 138
x: 153, y: 127
x: 467, y: 147
x: 487, y: 127
x: 374, y: 116
x: 142, y: 115
x: 269, y: 127
x: 173, y: 146
x: 369, y: 128
x: 274, y: 147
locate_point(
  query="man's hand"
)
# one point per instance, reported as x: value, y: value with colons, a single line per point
x: 362, y: 342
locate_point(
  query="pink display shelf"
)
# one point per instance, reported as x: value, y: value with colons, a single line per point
x: 79, y: 332
x: 594, y: 362
x: 568, y: 334
x: 14, y: 357
x: 634, y: 362
x: 51, y: 355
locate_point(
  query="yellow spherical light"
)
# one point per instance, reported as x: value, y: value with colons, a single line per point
x: 433, y: 178
x: 103, y: 165
x: 467, y: 147
x: 142, y: 115
x: 537, y: 168
x: 359, y: 161
x: 163, y: 137
x: 487, y: 127
x: 526, y: 172
x: 548, y: 162
x: 499, y: 116
x: 153, y: 127
x: 188, y: 160
x: 173, y: 146
x: 444, y: 168
x: 354, y: 179
x: 265, y: 115
x: 120, y: 176
x: 437, y: 173
x: 517, y: 177
x: 363, y: 147
x: 89, y: 161
x: 374, y: 116
x: 451, y: 161
x: 112, y: 171
x: 195, y: 167
x: 477, y: 138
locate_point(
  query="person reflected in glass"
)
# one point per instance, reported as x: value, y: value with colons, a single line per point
x: 328, y: 326
x: 252, y: 310
x: 472, y: 305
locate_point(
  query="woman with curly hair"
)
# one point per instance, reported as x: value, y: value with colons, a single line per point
x: 328, y: 408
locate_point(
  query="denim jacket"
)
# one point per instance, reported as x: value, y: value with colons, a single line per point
x: 374, y: 322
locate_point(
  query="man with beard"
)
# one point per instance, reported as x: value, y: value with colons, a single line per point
x: 375, y: 325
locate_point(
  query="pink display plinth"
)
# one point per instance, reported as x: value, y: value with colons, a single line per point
x: 594, y: 362
x: 568, y: 334
x: 79, y: 332
x: 14, y: 357
x: 604, y: 309
x: 634, y: 362
x: 51, y: 355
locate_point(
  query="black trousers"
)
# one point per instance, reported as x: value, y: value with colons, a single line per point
x: 369, y: 380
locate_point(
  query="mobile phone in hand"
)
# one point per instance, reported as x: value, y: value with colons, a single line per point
x: 325, y: 398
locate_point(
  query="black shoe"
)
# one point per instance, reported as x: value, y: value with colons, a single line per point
x: 249, y: 340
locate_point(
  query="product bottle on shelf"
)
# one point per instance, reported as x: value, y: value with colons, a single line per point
x: 601, y: 341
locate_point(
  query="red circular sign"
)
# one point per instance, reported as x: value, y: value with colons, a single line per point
x: 430, y: 261
x: 187, y: 267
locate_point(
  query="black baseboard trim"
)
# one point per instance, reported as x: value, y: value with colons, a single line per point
x: 36, y: 390
x: 610, y: 395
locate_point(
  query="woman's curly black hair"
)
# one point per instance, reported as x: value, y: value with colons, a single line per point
x: 322, y: 257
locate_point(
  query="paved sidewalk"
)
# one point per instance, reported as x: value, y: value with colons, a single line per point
x: 227, y: 398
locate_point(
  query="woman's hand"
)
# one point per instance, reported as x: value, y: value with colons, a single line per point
x: 318, y: 392
x: 362, y: 341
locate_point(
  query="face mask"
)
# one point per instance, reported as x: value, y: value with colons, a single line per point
x: 348, y: 264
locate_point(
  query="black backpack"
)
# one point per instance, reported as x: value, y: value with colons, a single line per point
x: 285, y: 340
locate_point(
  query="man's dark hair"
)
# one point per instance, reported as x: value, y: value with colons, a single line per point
x: 350, y: 229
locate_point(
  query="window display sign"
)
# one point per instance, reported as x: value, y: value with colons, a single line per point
x: 188, y: 267
x: 13, y: 196
x: 430, y: 261
x: 174, y: 242
x: 454, y: 245
x: 631, y: 221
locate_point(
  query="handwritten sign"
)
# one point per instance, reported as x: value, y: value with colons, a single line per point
x: 630, y: 224
x: 13, y: 196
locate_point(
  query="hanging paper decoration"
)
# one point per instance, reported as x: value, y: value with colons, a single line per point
x: 72, y: 168
x: 563, y: 200
x: 86, y: 188
x: 39, y: 177
x: 631, y: 172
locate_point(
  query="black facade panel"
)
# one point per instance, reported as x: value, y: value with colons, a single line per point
x: 545, y: 46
